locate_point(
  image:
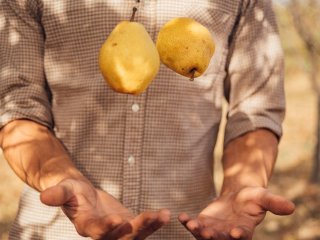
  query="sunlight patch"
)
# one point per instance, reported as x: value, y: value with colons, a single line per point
x: 58, y: 8
x: 2, y: 23
x: 14, y: 37
x: 259, y: 15
x: 5, y: 118
x: 111, y: 188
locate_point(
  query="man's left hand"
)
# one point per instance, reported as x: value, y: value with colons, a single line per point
x: 235, y: 215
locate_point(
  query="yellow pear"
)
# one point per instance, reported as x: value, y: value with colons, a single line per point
x: 128, y: 59
x: 185, y: 46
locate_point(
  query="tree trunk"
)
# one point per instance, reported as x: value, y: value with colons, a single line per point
x: 313, y: 76
x: 316, y: 161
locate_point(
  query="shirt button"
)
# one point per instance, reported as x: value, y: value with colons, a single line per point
x: 131, y: 160
x: 135, y: 107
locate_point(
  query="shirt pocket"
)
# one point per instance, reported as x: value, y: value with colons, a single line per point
x: 218, y: 17
x: 220, y: 21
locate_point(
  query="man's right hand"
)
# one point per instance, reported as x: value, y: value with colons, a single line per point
x: 41, y: 161
x: 98, y: 215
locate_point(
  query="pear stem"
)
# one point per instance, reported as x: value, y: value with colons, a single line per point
x: 193, y: 71
x: 134, y: 9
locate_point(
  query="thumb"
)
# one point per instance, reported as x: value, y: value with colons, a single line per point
x: 57, y: 195
x: 277, y: 204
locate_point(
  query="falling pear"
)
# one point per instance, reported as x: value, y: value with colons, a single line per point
x: 128, y: 59
x: 185, y: 46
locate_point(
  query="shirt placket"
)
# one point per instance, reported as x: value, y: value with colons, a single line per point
x: 135, y: 124
x: 132, y: 151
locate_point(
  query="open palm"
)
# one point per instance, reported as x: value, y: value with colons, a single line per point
x: 235, y: 215
x: 98, y: 215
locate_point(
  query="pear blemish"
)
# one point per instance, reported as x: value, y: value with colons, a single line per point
x: 128, y: 59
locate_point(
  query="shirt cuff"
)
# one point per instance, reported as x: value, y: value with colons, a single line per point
x: 27, y: 102
x: 242, y: 123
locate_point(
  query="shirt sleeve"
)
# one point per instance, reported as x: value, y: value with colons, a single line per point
x: 255, y: 73
x: 23, y: 89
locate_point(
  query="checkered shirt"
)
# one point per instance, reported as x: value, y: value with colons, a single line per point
x: 150, y: 151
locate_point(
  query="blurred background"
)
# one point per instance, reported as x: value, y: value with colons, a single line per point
x: 297, y: 173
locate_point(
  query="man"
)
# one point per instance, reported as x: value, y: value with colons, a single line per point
x: 130, y: 167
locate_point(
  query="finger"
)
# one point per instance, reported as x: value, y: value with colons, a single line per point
x: 154, y: 222
x: 145, y: 219
x: 119, y: 232
x: 192, y: 225
x: 184, y: 218
x: 209, y: 234
x: 277, y: 204
x: 102, y: 227
x: 143, y: 225
x: 195, y: 228
x: 164, y: 216
x: 57, y: 195
x: 241, y: 232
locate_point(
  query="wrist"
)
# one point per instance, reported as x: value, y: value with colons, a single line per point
x: 234, y: 182
x: 248, y: 161
x: 230, y: 187
x: 53, y: 173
